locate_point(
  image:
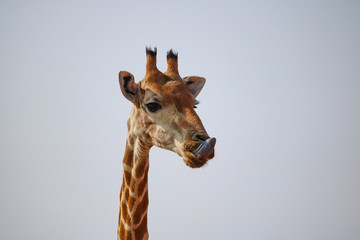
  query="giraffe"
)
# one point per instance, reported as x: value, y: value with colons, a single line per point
x: 162, y: 115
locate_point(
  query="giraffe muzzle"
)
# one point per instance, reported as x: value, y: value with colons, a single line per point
x: 206, y: 149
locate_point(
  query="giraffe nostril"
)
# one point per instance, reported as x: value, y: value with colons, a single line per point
x: 201, y: 137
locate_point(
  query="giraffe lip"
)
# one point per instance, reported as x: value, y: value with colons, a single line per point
x: 205, y: 149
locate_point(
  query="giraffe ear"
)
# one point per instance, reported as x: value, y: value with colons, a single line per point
x: 128, y: 86
x: 194, y: 84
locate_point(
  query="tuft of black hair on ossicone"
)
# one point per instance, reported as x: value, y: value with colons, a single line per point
x: 172, y: 54
x: 151, y: 52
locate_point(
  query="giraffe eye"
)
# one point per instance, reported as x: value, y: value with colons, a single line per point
x: 153, y: 106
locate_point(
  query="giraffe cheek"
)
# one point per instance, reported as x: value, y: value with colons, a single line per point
x: 162, y: 138
x: 165, y: 141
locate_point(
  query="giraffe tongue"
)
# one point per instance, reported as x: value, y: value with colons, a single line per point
x: 205, y: 149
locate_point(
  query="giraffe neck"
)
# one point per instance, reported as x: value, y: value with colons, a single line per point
x: 134, y: 192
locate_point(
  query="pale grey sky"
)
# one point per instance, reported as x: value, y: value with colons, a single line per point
x: 282, y: 98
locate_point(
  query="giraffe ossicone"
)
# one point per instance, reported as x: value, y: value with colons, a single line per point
x: 162, y: 115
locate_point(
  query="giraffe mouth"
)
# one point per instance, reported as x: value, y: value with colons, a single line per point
x: 206, y: 149
x: 198, y: 154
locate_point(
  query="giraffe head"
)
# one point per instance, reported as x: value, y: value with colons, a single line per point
x: 163, y: 113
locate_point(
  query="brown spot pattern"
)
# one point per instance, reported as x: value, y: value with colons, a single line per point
x: 141, y: 230
x: 141, y: 208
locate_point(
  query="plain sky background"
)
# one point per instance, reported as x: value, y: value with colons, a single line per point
x: 282, y: 98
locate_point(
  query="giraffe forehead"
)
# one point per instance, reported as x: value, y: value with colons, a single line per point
x: 170, y: 93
